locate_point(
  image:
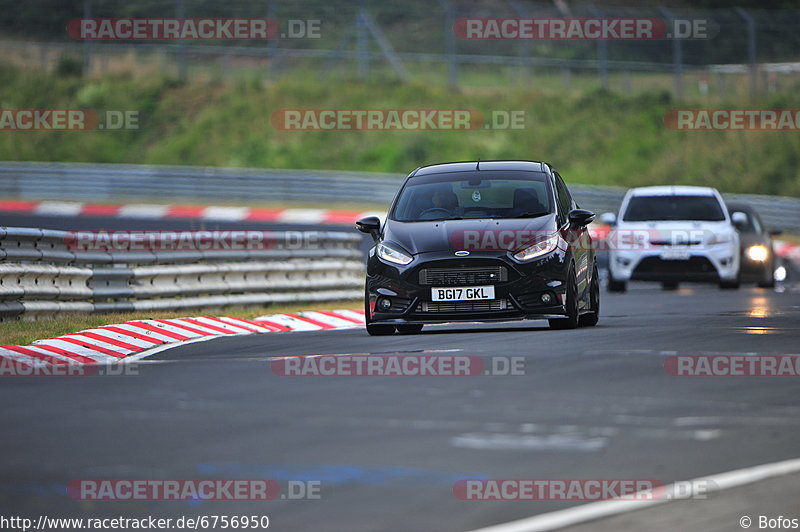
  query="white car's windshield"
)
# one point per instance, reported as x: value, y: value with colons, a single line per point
x: 666, y: 208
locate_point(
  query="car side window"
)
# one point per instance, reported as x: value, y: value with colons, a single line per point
x: 565, y: 203
x: 756, y: 222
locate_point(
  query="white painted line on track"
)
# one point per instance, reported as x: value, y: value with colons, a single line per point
x: 608, y: 508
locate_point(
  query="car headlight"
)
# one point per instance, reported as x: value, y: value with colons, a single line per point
x: 538, y: 249
x: 720, y: 238
x: 757, y: 253
x: 393, y: 255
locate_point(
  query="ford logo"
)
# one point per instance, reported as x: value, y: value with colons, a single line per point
x: 462, y: 253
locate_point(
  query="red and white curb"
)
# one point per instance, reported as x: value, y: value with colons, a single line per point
x: 195, y: 212
x: 134, y: 340
x: 788, y: 250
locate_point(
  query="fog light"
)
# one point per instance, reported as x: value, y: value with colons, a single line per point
x: 384, y: 303
x: 546, y: 298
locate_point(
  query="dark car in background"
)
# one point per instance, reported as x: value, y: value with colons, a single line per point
x: 481, y: 241
x: 758, y: 253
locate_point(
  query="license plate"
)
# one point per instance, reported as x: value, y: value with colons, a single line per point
x: 675, y: 254
x: 467, y: 293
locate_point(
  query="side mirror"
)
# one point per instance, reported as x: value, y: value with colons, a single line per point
x: 580, y: 217
x: 739, y: 220
x: 608, y: 218
x: 775, y: 232
x: 370, y: 225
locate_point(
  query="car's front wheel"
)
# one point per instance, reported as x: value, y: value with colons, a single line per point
x: 571, y: 304
x: 591, y: 318
x: 730, y: 285
x: 616, y: 286
x: 768, y: 280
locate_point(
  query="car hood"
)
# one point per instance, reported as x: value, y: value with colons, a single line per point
x: 455, y: 235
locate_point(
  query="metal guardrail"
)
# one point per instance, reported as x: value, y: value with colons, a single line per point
x: 44, y: 272
x: 110, y: 182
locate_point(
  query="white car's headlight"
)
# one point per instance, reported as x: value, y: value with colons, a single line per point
x: 720, y: 238
x: 757, y: 253
x: 393, y: 255
x: 538, y: 249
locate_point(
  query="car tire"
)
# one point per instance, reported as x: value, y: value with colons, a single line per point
x: 669, y: 285
x: 374, y: 329
x: 769, y: 278
x: 616, y: 286
x: 731, y: 285
x: 590, y: 319
x: 571, y: 319
x: 409, y: 328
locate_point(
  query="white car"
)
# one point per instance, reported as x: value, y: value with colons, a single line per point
x: 670, y: 234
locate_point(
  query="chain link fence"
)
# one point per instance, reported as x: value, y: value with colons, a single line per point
x: 751, y: 50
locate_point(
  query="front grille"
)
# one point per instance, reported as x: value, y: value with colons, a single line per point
x: 464, y: 306
x: 657, y: 265
x: 463, y: 276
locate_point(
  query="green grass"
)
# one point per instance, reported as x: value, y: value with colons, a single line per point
x: 25, y: 332
x: 591, y: 136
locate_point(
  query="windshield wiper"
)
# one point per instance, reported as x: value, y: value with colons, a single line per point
x: 531, y: 214
x: 441, y: 219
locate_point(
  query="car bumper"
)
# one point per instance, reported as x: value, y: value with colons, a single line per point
x: 710, y: 265
x: 518, y: 293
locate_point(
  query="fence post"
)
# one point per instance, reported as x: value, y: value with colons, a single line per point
x: 362, y: 45
x: 87, y: 44
x: 602, y: 50
x: 751, y: 49
x: 180, y: 48
x: 272, y: 44
x: 450, y: 43
x: 677, y: 55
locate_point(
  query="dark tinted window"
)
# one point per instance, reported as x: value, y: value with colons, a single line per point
x: 483, y: 194
x: 656, y: 208
x: 564, y: 197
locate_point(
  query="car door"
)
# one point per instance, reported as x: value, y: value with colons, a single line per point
x: 578, y: 238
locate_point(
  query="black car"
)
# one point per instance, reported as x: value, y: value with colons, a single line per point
x: 758, y: 254
x: 481, y: 241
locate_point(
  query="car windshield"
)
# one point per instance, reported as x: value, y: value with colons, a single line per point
x: 479, y: 194
x: 665, y: 208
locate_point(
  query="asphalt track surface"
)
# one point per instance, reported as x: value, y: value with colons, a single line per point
x: 593, y: 403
